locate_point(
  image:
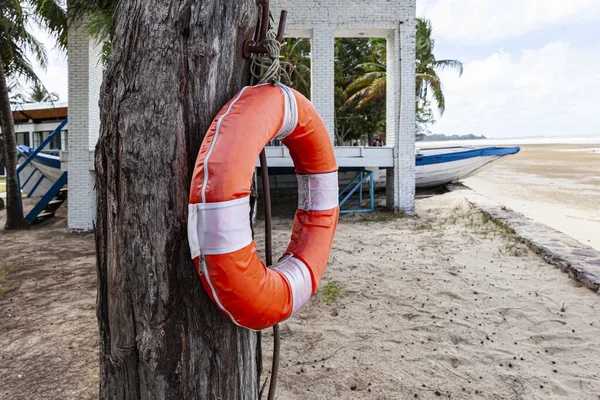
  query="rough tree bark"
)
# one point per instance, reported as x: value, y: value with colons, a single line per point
x: 173, y: 65
x: 14, y: 207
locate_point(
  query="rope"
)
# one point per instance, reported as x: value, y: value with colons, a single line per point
x: 267, y: 67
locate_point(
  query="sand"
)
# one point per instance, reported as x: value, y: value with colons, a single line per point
x: 558, y: 185
x: 48, y: 330
x: 442, y: 305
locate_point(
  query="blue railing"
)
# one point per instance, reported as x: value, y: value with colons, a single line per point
x: 356, y: 184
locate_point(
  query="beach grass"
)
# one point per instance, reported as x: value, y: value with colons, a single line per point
x: 3, y: 277
x: 332, y: 291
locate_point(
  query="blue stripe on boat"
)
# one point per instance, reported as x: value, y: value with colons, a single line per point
x: 463, y: 155
x: 44, y: 159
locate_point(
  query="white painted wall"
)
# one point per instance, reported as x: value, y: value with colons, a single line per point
x: 85, y: 78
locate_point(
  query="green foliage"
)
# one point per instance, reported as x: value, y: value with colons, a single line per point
x: 360, y: 112
x: 100, y: 16
x: 369, y: 81
x: 16, y: 17
x: 332, y: 291
x: 296, y: 55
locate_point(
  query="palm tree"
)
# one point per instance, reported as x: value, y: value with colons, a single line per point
x: 295, y: 56
x: 351, y: 123
x: 39, y: 94
x: 428, y: 80
x: 15, y: 41
x: 371, y: 86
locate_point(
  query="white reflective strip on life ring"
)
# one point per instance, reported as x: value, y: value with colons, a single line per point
x: 219, y: 228
x: 318, y: 191
x: 290, y: 119
x: 298, y: 276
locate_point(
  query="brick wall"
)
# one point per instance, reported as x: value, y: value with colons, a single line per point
x: 407, y: 125
x: 85, y: 78
x: 322, y: 74
x: 342, y: 14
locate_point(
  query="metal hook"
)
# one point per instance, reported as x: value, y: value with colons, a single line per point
x: 250, y: 46
x: 264, y: 21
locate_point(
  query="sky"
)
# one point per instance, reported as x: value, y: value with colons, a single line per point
x: 532, y: 67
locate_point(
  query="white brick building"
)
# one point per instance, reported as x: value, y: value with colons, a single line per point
x: 322, y: 21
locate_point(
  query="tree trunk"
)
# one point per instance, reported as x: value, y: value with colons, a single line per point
x: 14, y: 206
x: 173, y: 65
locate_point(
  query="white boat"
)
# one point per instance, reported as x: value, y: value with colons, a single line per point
x: 40, y: 174
x: 440, y: 166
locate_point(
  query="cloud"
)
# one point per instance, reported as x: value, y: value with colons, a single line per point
x: 489, y: 21
x: 546, y: 91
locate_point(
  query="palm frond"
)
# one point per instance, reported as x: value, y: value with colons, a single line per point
x: 99, y: 14
x: 36, y: 48
x: 376, y: 91
x: 428, y: 77
x: 438, y: 95
x: 364, y: 80
x: 358, y: 85
x: 449, y: 64
x: 371, y: 67
x: 52, y: 15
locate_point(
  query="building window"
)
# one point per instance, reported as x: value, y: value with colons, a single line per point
x: 64, y: 140
x: 37, y: 139
x: 55, y: 142
x: 22, y: 138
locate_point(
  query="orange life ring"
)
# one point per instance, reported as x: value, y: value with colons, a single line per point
x: 251, y: 295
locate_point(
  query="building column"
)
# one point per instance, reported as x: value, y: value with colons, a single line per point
x: 85, y: 78
x: 322, y: 85
x: 400, y: 118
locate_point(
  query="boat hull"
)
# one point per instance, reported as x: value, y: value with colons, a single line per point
x: 40, y: 174
x: 437, y: 167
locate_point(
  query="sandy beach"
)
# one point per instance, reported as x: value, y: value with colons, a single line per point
x: 445, y: 304
x: 558, y: 185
